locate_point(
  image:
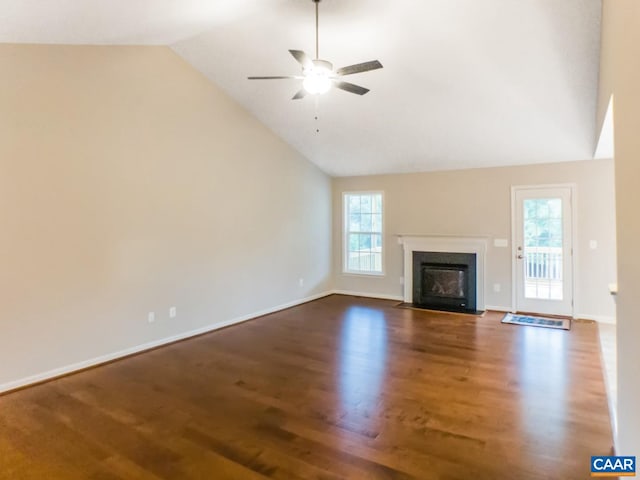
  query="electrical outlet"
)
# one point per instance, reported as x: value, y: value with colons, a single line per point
x: 593, y: 244
x: 301, y: 282
x: 496, y: 287
x: 401, y: 280
x: 172, y: 312
x: 151, y: 317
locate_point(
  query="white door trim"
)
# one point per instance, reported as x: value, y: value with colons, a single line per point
x: 574, y: 239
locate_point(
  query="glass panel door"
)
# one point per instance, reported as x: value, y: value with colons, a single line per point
x: 543, y: 250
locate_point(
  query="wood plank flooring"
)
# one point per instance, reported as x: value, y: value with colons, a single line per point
x: 342, y: 387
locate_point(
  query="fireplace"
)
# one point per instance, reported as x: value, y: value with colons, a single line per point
x: 447, y: 244
x: 445, y: 281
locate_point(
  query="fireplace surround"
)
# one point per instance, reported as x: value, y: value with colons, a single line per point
x: 476, y: 245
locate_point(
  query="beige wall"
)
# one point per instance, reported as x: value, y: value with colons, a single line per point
x: 129, y: 184
x: 478, y: 202
x: 620, y: 75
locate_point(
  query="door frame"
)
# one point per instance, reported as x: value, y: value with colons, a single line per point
x: 573, y: 208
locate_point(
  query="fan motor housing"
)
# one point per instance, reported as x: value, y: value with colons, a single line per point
x: 323, y: 65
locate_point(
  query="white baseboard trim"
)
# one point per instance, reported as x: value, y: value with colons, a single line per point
x: 381, y: 296
x: 92, y: 362
x: 597, y: 318
x: 58, y: 372
x: 498, y: 309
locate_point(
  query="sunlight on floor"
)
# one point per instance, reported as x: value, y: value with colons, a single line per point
x: 542, y: 358
x: 363, y: 350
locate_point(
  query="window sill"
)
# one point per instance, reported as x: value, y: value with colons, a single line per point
x: 362, y: 274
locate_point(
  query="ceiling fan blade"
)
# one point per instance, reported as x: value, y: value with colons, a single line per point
x: 351, y: 88
x: 301, y: 94
x: 359, y: 68
x: 297, y: 77
x: 302, y: 58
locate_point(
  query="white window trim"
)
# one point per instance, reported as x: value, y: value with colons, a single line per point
x: 345, y: 255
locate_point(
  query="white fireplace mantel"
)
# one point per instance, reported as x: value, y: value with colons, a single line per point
x: 443, y: 243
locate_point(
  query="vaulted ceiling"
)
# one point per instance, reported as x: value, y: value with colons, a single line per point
x: 466, y: 83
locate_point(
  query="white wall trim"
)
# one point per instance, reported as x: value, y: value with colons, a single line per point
x: 92, y: 362
x: 596, y: 318
x: 498, y: 309
x: 381, y: 296
x: 444, y: 243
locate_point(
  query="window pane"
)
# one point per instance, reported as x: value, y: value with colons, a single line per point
x: 354, y: 261
x: 354, y: 222
x: 530, y: 209
x: 543, y: 208
x: 376, y: 242
x: 365, y: 223
x: 365, y: 204
x: 530, y: 232
x: 377, y: 204
x: 365, y: 242
x: 555, y: 231
x: 353, y: 243
x: 376, y: 223
x: 354, y: 203
x: 365, y: 262
x: 377, y: 262
x: 555, y: 208
x: 543, y: 233
x: 543, y: 248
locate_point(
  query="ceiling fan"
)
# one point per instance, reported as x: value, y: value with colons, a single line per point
x: 318, y: 75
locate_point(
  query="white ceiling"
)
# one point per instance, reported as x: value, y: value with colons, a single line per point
x: 119, y: 22
x: 466, y: 83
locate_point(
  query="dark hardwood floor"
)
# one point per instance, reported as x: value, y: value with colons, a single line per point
x: 342, y: 387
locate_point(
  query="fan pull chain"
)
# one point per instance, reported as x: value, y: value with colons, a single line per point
x: 317, y: 102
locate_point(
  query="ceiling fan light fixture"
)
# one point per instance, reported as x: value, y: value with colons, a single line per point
x: 316, y: 84
x: 317, y: 80
x: 318, y: 76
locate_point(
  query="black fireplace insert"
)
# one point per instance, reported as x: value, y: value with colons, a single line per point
x: 445, y: 281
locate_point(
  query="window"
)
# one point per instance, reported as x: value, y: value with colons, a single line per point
x: 363, y: 233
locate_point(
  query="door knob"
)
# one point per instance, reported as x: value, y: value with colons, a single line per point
x: 520, y: 256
